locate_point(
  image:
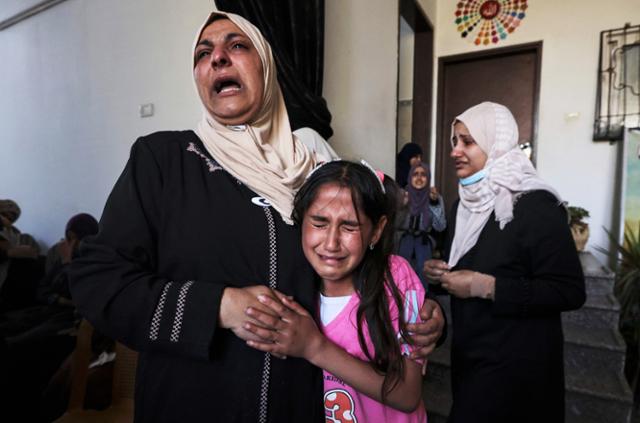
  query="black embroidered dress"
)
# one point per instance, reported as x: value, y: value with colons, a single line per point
x: 175, y: 231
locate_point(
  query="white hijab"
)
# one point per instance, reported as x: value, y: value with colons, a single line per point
x: 508, y: 174
x: 264, y: 156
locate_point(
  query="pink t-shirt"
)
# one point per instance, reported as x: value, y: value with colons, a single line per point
x: 344, y: 404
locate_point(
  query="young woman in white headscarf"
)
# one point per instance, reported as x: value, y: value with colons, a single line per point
x: 511, y: 269
x: 197, y: 227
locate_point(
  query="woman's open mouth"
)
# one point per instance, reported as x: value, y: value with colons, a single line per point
x: 226, y: 85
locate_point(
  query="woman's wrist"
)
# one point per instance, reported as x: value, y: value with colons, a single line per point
x: 483, y: 286
x: 225, y: 314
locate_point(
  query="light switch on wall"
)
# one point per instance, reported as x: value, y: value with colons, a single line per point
x: 146, y: 110
x: 571, y: 116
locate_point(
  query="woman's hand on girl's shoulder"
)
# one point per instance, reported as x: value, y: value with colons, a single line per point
x: 294, y: 334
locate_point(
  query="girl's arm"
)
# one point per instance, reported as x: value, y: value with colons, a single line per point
x: 299, y: 336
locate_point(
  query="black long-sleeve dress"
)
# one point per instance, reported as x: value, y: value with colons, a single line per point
x: 507, y: 354
x: 176, y: 230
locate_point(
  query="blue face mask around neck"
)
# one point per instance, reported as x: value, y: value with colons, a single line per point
x: 472, y: 179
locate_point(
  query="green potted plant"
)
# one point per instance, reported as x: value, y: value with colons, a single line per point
x: 579, y: 228
x: 627, y: 290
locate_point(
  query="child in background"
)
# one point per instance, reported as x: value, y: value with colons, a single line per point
x: 425, y: 212
x: 367, y: 298
x: 408, y: 157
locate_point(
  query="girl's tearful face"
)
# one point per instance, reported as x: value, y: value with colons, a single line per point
x: 335, y: 237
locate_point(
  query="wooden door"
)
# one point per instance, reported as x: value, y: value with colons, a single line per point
x: 509, y: 76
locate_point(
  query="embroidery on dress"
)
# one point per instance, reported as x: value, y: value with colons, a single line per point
x: 211, y: 164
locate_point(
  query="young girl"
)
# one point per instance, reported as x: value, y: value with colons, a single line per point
x: 425, y: 212
x: 367, y: 297
x: 409, y: 156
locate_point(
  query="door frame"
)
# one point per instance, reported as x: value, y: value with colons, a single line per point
x: 535, y: 47
x: 421, y: 114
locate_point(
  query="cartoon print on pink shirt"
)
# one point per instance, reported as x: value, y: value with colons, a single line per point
x: 339, y: 407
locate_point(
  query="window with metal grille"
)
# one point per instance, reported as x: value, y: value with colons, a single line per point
x: 618, y: 90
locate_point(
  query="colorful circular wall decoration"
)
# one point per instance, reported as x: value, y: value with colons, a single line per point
x: 489, y: 21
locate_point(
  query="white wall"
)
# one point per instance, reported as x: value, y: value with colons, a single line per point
x: 11, y: 8
x: 405, y: 84
x: 73, y: 78
x: 430, y: 9
x: 581, y: 170
x: 405, y: 57
x: 75, y: 75
x: 360, y: 78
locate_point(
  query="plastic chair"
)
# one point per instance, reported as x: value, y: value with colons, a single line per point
x: 121, y: 409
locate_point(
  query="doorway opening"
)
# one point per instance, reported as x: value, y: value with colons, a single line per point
x: 415, y: 77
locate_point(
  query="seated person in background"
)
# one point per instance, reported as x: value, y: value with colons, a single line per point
x: 56, y: 312
x: 19, y: 267
x: 54, y: 287
x: 35, y: 340
x: 20, y: 245
x: 4, y: 248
